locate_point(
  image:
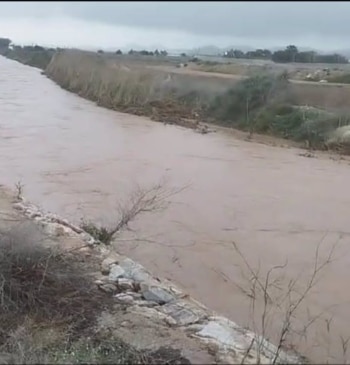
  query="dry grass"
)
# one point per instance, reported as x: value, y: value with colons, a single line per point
x: 49, y: 307
x: 43, y: 284
x: 322, y: 95
x: 232, y: 68
x: 42, y: 289
x: 120, y: 83
x: 130, y: 86
x: 101, y: 80
x: 317, y: 95
x: 339, y: 139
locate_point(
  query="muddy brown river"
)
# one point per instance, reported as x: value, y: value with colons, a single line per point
x: 80, y: 160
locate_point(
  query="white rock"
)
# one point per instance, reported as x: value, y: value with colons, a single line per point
x: 34, y: 214
x: 99, y: 282
x: 19, y: 206
x: 225, y: 333
x: 39, y: 219
x: 233, y: 339
x: 136, y: 271
x: 116, y: 272
x: 156, y: 294
x: 146, y: 303
x: 124, y: 298
x: 183, y: 312
x: 136, y: 296
x: 125, y: 284
x: 153, y: 314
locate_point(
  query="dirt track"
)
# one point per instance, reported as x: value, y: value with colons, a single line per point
x: 189, y: 71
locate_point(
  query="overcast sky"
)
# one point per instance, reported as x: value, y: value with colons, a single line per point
x: 322, y: 25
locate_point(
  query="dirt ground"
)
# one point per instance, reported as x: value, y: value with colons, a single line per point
x: 192, y: 70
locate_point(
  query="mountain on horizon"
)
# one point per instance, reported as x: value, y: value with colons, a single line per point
x: 137, y: 47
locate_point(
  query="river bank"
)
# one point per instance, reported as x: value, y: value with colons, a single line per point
x: 181, y: 329
x: 262, y: 104
x: 192, y: 100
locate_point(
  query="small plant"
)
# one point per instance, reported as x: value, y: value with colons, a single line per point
x: 101, y: 234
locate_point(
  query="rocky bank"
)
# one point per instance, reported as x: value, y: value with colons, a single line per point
x: 150, y: 313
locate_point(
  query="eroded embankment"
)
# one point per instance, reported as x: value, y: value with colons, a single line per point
x: 51, y: 290
x: 263, y: 104
x: 128, y: 88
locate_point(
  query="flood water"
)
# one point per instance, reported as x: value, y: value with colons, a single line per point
x: 80, y: 160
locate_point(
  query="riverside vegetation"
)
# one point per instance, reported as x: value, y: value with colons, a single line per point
x: 263, y: 103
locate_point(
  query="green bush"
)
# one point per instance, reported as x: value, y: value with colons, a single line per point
x: 287, y: 125
x: 261, y: 104
x: 242, y: 106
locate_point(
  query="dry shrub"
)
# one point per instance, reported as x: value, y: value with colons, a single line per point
x: 142, y: 200
x: 340, y: 139
x: 277, y: 304
x: 48, y: 307
x: 43, y: 284
x: 26, y: 350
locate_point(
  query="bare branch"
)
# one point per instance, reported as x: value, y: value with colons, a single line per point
x: 141, y: 201
x: 288, y: 301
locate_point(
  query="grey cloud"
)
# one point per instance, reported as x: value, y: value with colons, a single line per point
x: 231, y: 19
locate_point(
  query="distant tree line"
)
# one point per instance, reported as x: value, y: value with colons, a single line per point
x: 289, y: 54
x: 141, y: 53
x: 148, y: 53
x: 257, y: 54
x: 5, y: 42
